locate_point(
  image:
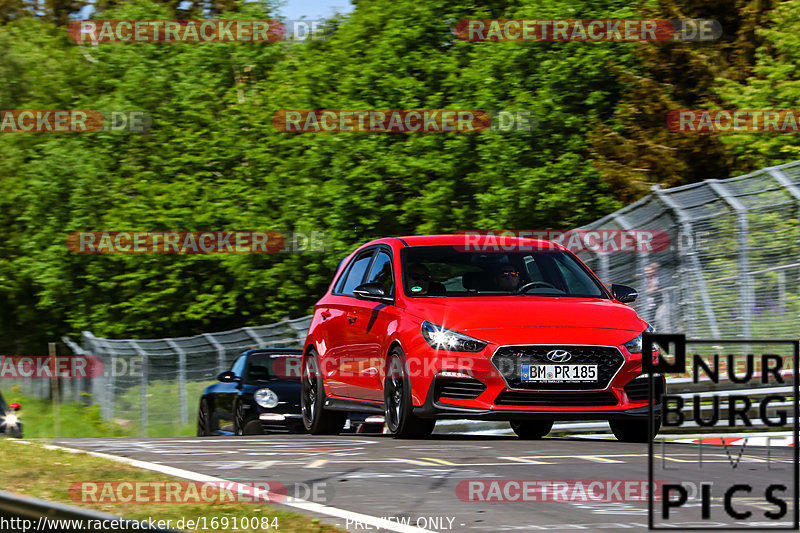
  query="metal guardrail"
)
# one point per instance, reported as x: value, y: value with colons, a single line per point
x: 45, y: 516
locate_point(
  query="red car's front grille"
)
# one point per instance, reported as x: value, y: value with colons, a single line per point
x: 508, y: 360
x: 638, y: 389
x: 556, y: 399
x: 458, y: 388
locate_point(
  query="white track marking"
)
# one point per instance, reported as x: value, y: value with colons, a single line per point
x: 242, y: 489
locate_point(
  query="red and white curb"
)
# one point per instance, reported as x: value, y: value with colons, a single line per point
x: 777, y: 439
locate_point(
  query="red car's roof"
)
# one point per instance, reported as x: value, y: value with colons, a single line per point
x: 476, y: 239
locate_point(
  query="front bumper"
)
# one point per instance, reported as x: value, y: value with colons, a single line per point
x: 487, y: 396
x: 438, y: 410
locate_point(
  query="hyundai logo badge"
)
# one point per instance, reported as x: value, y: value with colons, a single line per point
x: 559, y: 356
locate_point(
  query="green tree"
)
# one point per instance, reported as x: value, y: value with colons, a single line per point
x: 774, y: 84
x: 637, y: 150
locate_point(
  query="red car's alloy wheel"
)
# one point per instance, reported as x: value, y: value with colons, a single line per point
x: 316, y: 420
x: 400, y: 419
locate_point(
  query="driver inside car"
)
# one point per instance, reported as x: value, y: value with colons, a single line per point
x: 420, y: 282
x: 506, y: 278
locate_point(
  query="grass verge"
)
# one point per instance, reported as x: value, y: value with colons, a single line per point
x: 33, y: 470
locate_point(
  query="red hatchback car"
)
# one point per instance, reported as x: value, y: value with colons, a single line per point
x: 463, y: 326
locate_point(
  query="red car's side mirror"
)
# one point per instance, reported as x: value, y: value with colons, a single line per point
x: 15, y: 406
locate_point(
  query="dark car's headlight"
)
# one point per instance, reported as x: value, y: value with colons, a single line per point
x: 635, y: 345
x: 10, y: 420
x: 446, y: 339
x: 266, y: 398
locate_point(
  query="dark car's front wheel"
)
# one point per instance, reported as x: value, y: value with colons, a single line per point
x: 204, y: 426
x: 238, y: 418
x: 316, y: 419
x: 532, y: 429
x: 634, y: 430
x: 400, y: 419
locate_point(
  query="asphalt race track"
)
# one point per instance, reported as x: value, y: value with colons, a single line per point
x: 417, y: 480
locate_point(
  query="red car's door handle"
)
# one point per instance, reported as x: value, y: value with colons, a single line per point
x: 325, y: 315
x: 351, y: 319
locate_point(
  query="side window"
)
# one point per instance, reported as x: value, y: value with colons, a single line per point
x: 356, y: 273
x: 238, y: 366
x: 381, y: 272
x: 340, y: 283
x: 576, y: 284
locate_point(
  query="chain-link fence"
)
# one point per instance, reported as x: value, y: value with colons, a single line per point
x: 732, y: 266
x: 156, y: 384
x: 731, y: 270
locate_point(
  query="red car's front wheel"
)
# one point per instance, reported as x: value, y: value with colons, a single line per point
x: 400, y: 419
x: 316, y: 419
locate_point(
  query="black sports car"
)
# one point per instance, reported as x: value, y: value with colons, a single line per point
x: 10, y: 426
x: 260, y: 394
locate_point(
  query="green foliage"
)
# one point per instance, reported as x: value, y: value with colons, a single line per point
x: 637, y: 150
x: 162, y: 408
x: 75, y: 420
x: 774, y: 84
x: 213, y: 161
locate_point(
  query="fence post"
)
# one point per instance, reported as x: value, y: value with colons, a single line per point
x: 184, y: 416
x: 692, y: 260
x: 109, y: 390
x: 794, y: 190
x: 54, y: 392
x: 602, y: 258
x: 220, y: 352
x: 259, y: 341
x: 742, y: 228
x: 143, y: 420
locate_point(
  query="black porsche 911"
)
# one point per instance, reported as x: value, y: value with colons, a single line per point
x: 261, y: 394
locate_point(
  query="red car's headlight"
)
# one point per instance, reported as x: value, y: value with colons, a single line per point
x: 446, y: 339
x: 635, y: 345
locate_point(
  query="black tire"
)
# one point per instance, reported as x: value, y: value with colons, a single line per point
x: 531, y: 429
x: 316, y: 419
x: 398, y: 408
x: 238, y: 418
x: 634, y: 430
x: 204, y: 427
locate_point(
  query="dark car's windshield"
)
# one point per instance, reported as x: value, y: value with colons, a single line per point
x: 264, y: 366
x: 448, y: 271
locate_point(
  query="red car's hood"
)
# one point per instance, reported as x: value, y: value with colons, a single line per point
x: 487, y: 312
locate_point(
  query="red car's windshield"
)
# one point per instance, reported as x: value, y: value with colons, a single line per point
x: 448, y: 271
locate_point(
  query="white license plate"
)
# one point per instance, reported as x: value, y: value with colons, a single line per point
x: 559, y: 373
